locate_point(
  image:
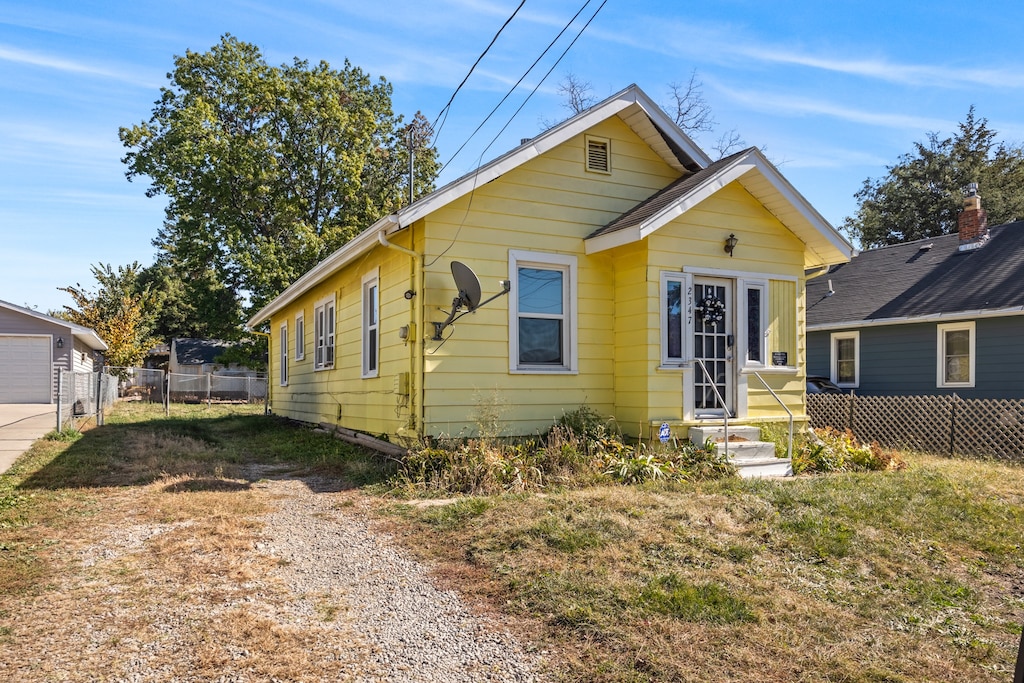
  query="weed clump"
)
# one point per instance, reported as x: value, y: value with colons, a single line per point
x: 828, y: 449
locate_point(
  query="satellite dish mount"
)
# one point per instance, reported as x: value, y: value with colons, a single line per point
x: 469, y: 295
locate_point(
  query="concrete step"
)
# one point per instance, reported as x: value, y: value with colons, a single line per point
x: 700, y: 435
x: 750, y: 468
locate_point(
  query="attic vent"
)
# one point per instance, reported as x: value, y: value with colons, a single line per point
x: 926, y: 247
x: 598, y: 158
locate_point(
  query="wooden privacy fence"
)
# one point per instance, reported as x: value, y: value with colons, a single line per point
x: 933, y: 424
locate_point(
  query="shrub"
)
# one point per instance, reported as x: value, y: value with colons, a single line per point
x: 828, y: 449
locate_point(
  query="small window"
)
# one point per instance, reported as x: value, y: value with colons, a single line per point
x: 371, y: 320
x: 754, y: 305
x: 675, y: 312
x: 846, y: 359
x: 542, y: 317
x: 598, y: 155
x: 956, y: 355
x: 284, y: 355
x: 300, y: 337
x: 323, y: 333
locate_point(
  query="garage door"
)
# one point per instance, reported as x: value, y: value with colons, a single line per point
x: 25, y: 374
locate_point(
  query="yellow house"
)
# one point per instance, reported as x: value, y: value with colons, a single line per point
x: 643, y: 280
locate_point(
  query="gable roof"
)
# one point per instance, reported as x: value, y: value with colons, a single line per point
x: 760, y: 177
x: 83, y: 334
x: 923, y: 280
x: 631, y: 104
x: 189, y: 351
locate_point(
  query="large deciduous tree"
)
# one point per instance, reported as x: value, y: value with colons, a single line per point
x: 121, y: 311
x: 921, y: 195
x: 269, y: 169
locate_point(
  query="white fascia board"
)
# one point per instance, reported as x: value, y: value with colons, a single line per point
x: 354, y: 248
x: 547, y: 141
x: 800, y: 203
x: 933, y: 317
x: 87, y: 335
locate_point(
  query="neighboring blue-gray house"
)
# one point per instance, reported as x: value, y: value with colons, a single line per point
x: 935, y: 316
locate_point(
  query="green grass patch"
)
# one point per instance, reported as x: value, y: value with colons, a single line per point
x: 710, y: 603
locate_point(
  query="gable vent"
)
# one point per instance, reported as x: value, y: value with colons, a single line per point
x: 598, y: 158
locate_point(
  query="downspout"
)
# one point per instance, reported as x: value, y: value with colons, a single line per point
x: 416, y: 362
x: 818, y: 273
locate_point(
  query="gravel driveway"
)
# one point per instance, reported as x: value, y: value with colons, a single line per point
x: 414, y: 631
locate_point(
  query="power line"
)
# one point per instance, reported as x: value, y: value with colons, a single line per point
x: 445, y: 109
x: 521, y: 79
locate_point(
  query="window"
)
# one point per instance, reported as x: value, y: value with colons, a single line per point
x: 846, y: 359
x: 754, y: 304
x: 284, y: 355
x: 300, y: 336
x: 542, y: 316
x: 598, y: 155
x: 371, y: 319
x: 676, y: 317
x: 323, y: 333
x: 956, y: 355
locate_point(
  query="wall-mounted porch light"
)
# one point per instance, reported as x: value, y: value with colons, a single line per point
x: 730, y: 244
x: 60, y: 342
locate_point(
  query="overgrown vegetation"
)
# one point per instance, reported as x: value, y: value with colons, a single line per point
x: 830, y: 450
x: 581, y: 449
x: 906, y: 574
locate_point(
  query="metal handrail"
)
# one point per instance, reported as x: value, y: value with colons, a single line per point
x: 789, y: 446
x: 721, y: 402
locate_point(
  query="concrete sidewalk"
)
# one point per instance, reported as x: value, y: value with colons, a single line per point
x: 20, y: 425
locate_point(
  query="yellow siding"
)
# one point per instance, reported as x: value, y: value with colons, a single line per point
x: 546, y: 205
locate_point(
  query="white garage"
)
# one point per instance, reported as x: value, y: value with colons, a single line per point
x: 25, y: 369
x: 35, y: 346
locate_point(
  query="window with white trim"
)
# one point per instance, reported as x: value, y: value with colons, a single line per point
x: 542, y: 312
x: 955, y: 355
x: 846, y: 359
x: 676, y: 317
x: 371, y: 324
x: 753, y: 305
x: 323, y: 335
x: 284, y: 354
x: 300, y: 336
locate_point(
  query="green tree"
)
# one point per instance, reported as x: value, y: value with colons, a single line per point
x: 269, y: 169
x: 121, y: 311
x: 921, y: 195
x: 191, y: 302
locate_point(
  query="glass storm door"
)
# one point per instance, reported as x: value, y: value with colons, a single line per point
x: 712, y: 343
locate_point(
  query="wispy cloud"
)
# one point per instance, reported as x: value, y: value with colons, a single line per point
x: 46, y: 61
x: 796, y: 105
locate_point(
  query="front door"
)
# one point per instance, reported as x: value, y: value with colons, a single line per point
x: 713, y: 344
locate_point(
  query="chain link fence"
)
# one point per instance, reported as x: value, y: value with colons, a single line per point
x: 212, y: 388
x: 84, y: 395
x: 140, y: 384
x: 947, y: 425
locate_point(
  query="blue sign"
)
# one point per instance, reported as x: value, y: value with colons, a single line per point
x: 665, y: 433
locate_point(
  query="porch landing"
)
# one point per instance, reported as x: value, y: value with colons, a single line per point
x: 751, y: 456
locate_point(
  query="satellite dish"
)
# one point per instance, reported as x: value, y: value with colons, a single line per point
x: 468, y: 285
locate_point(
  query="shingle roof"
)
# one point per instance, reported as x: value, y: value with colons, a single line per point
x: 911, y: 280
x: 199, y: 351
x: 665, y: 196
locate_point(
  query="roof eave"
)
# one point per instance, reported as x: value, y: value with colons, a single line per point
x: 926, y: 318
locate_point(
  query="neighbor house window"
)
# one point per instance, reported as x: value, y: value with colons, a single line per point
x: 284, y: 354
x: 956, y: 355
x: 323, y: 333
x: 542, y: 315
x: 300, y: 336
x: 598, y: 155
x: 371, y: 321
x: 846, y: 359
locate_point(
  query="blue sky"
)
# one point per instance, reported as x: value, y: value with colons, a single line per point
x: 832, y: 91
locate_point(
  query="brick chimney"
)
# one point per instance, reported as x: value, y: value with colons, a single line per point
x: 973, y: 221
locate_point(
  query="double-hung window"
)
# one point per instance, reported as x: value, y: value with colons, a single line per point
x: 955, y: 355
x: 284, y: 354
x: 846, y: 359
x: 371, y: 324
x: 676, y: 317
x: 300, y: 336
x: 323, y: 334
x: 542, y: 312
